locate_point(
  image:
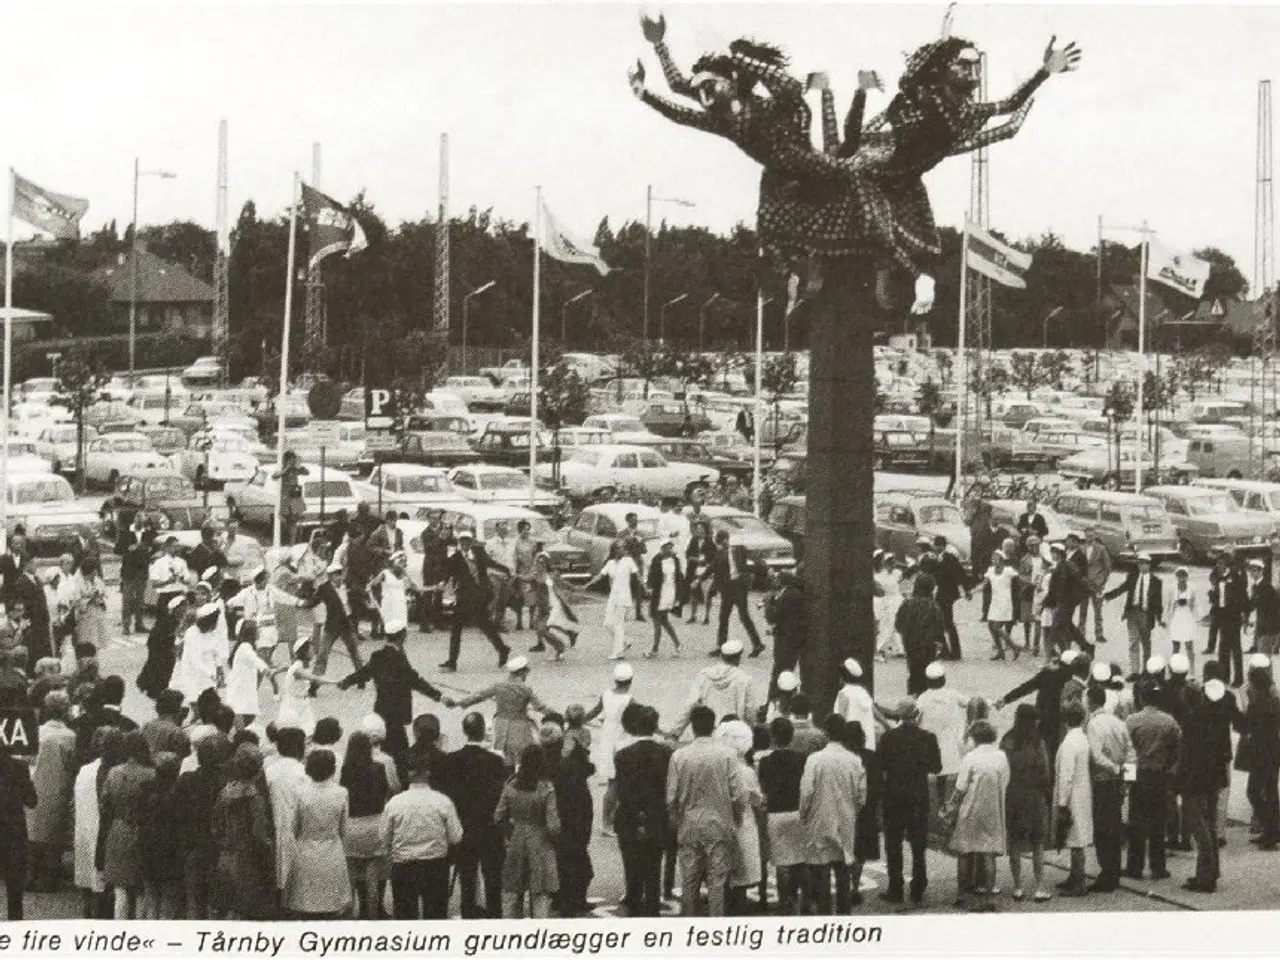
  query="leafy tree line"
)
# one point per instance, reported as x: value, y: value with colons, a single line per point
x: 390, y: 287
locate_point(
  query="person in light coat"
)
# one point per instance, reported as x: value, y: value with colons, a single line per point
x: 980, y: 834
x: 833, y: 789
x: 49, y: 822
x: 1073, y: 798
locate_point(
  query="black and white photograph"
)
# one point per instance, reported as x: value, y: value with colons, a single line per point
x: 802, y: 462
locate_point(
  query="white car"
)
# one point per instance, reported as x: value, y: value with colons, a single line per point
x: 606, y: 471
x: 114, y: 455
x: 479, y: 393
x: 624, y: 427
x: 258, y: 496
x: 204, y: 370
x: 343, y: 442
x: 25, y: 458
x: 216, y: 458
x: 598, y: 527
x: 56, y: 443
x: 487, y: 483
x: 28, y: 419
x: 47, y: 507
x: 153, y: 407
x: 406, y: 487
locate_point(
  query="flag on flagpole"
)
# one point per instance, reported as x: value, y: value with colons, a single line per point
x: 1181, y: 271
x: 54, y: 213
x: 995, y: 259
x: 332, y: 227
x: 560, y: 245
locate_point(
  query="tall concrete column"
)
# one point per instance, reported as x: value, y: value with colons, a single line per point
x: 839, y: 524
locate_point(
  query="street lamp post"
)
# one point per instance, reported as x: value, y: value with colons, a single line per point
x: 662, y: 316
x: 702, y: 319
x: 649, y: 201
x: 1047, y: 317
x: 138, y: 174
x: 53, y: 361
x: 564, y: 312
x: 466, y: 306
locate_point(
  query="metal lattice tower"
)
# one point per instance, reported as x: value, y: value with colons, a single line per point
x: 979, y: 293
x: 222, y: 261
x: 440, y: 302
x: 1264, y: 213
x: 316, y: 318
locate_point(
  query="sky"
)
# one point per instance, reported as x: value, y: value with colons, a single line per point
x: 1158, y: 124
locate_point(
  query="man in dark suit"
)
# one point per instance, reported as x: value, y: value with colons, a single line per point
x: 205, y: 555
x: 1062, y: 597
x: 1143, y: 609
x: 468, y: 568
x: 732, y: 576
x: 1228, y: 609
x: 437, y: 543
x: 476, y: 776
x: 339, y: 624
x: 17, y: 796
x: 640, y: 774
x: 788, y: 614
x: 1033, y: 521
x: 952, y: 583
x: 907, y: 756
x: 1264, y: 605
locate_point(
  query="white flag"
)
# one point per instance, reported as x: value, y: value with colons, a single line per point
x: 559, y: 245
x: 1181, y: 271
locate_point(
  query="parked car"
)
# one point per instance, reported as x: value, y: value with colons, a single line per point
x: 506, y: 443
x: 487, y: 483
x: 568, y: 560
x: 624, y: 427
x: 1006, y: 514
x: 512, y: 368
x: 479, y: 393
x: 787, y: 518
x: 903, y: 517
x: 110, y: 457
x: 1096, y: 466
x: 788, y: 470
x: 46, y: 506
x: 1127, y: 523
x: 696, y: 453
x: 344, y: 443
x: 1261, y: 497
x: 570, y: 438
x: 166, y: 440
x: 599, y: 525
x: 258, y: 496
x: 205, y: 370
x: 602, y: 473
x: 436, y: 448
x: 768, y: 552
x: 406, y: 487
x: 215, y: 459
x: 1232, y: 457
x: 675, y: 418
x: 168, y: 500
x: 439, y: 423
x: 56, y: 443
x: 1210, y: 523
x: 902, y: 450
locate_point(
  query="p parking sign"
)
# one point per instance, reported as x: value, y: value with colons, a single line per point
x: 19, y: 732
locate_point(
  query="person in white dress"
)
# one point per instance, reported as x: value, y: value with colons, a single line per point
x: 621, y: 572
x: 854, y: 702
x: 259, y: 603
x: 202, y: 663
x: 245, y: 675
x: 1184, y: 621
x: 666, y: 595
x: 888, y: 599
x: 88, y: 878
x: 674, y: 525
x: 389, y: 591
x: 748, y: 865
x: 295, y: 708
x: 998, y: 592
x: 609, y: 709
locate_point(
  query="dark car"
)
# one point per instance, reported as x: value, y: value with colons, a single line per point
x: 427, y: 448
x: 787, y: 517
x: 507, y: 445
x: 901, y: 450
x: 170, y: 500
x: 697, y: 452
x: 787, y: 471
x: 674, y: 418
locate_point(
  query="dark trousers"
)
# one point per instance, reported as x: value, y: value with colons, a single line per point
x: 1265, y: 800
x: 820, y: 888
x: 909, y: 821
x: 1229, y: 654
x: 477, y: 616
x: 329, y: 636
x: 642, y: 868
x: 1213, y: 636
x: 396, y: 745
x: 1108, y: 829
x: 13, y: 869
x: 1147, y: 810
x: 420, y: 889
x: 573, y: 863
x: 917, y: 682
x: 948, y: 608
x: 1201, y: 813
x: 734, y: 597
x: 132, y: 590
x: 480, y: 856
x: 670, y: 857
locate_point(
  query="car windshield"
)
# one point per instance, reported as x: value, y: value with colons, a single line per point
x: 424, y: 483
x: 44, y: 490
x: 169, y: 488
x: 229, y: 443
x: 132, y: 445
x: 436, y: 441
x: 938, y: 513
x: 539, y: 527
x: 23, y: 448
x: 331, y: 488
x: 1215, y: 505
x: 503, y: 481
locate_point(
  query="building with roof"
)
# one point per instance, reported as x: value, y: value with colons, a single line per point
x: 170, y: 298
x: 27, y: 324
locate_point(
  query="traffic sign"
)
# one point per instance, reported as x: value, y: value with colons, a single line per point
x: 325, y: 433
x: 324, y: 400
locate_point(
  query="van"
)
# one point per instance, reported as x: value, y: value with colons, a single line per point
x: 1221, y: 457
x: 1215, y: 411
x: 1253, y: 496
x: 1127, y: 523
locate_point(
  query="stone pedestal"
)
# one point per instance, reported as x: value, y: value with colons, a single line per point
x: 839, y: 522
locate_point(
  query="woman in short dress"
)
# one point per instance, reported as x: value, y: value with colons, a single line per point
x: 1027, y: 799
x: 367, y: 791
x: 621, y: 572
x: 247, y: 670
x: 528, y: 815
x: 90, y: 605
x: 296, y: 708
x: 319, y: 886
x: 980, y: 834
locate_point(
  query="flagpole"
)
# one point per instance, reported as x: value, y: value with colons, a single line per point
x: 533, y: 356
x: 8, y: 365
x: 284, y: 353
x: 758, y: 409
x: 962, y: 373
x: 1142, y: 358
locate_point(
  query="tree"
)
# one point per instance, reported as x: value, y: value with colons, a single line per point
x: 929, y: 400
x: 1193, y: 370
x: 778, y: 376
x: 942, y: 360
x: 81, y: 378
x: 563, y: 397
x: 1027, y: 372
x: 1117, y: 407
x: 1226, y: 282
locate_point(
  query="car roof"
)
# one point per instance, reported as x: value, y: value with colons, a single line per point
x: 1183, y: 492
x: 124, y: 435
x: 1120, y: 497
x: 621, y: 448
x: 489, y: 468
x: 490, y: 511
x: 411, y: 469
x: 1226, y: 483
x: 618, y: 511
x: 719, y: 510
x: 913, y: 496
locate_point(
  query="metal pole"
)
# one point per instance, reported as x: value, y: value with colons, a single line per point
x: 962, y: 371
x: 648, y: 230
x: 1097, y: 294
x: 133, y: 285
x: 284, y: 352
x: 8, y: 367
x: 533, y: 354
x: 322, y: 467
x: 758, y: 408
x: 1142, y: 362
x: 466, y: 303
